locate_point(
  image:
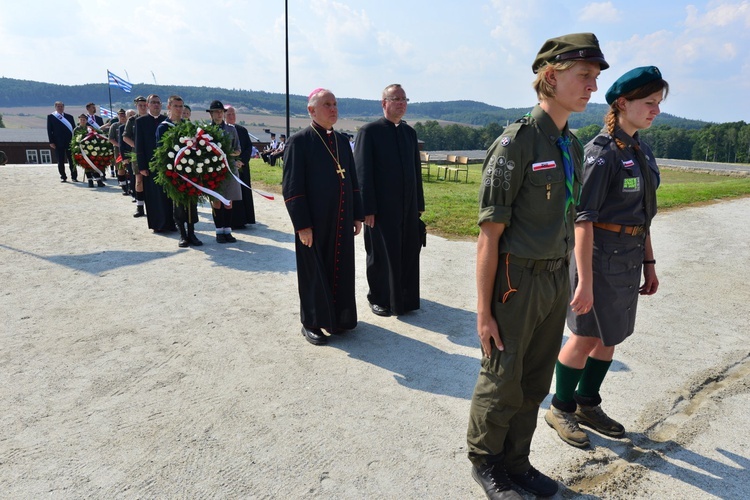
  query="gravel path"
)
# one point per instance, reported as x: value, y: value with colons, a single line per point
x: 133, y: 369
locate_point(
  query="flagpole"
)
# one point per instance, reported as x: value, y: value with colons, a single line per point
x: 286, y: 27
x: 109, y: 89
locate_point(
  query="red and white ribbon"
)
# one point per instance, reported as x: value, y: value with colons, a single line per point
x: 92, y: 134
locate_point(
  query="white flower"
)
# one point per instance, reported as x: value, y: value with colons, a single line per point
x: 202, y: 142
x: 215, y: 158
x: 169, y: 166
x: 187, y: 151
x: 210, y: 169
x: 197, y: 152
x: 183, y: 160
x: 199, y: 170
x: 94, y: 153
x: 188, y: 169
x: 182, y: 141
x: 176, y: 147
x: 191, y: 161
x: 178, y: 167
x: 189, y: 144
x: 170, y: 154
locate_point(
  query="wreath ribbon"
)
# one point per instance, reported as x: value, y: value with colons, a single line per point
x: 91, y: 135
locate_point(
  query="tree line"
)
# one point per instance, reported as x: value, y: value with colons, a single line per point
x: 725, y: 142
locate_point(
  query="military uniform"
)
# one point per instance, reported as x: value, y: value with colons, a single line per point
x: 613, y: 192
x: 523, y: 187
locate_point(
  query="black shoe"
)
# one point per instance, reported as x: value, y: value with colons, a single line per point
x: 314, y: 335
x: 229, y: 238
x: 100, y: 183
x: 221, y: 238
x: 535, y: 482
x: 380, y: 310
x: 91, y: 183
x: 183, y: 243
x: 495, y: 481
x: 139, y: 211
x: 63, y: 180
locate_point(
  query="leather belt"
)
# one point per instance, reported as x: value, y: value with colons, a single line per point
x: 550, y: 265
x: 617, y: 228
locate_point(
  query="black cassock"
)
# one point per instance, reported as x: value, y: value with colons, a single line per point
x: 243, y: 211
x: 317, y: 197
x: 390, y: 177
x: 158, y: 204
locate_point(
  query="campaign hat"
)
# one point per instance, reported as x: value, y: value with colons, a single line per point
x: 633, y: 79
x: 215, y: 106
x: 572, y: 47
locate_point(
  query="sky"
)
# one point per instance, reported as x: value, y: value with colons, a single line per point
x: 438, y: 50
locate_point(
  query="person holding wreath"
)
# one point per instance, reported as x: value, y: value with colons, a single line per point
x: 613, y: 247
x: 184, y: 216
x: 230, y: 188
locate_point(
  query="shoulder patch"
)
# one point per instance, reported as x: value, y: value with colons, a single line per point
x: 602, y: 140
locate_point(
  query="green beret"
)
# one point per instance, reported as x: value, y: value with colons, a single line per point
x: 633, y: 79
x: 573, y: 47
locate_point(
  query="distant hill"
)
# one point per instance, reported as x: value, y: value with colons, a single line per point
x: 17, y: 93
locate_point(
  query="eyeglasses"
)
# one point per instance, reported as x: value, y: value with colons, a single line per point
x: 397, y: 99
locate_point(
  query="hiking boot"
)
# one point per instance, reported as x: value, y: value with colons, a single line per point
x: 495, y: 481
x: 534, y: 481
x: 594, y: 417
x: 567, y: 427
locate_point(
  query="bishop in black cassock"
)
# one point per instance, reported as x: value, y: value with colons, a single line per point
x: 390, y: 177
x: 321, y: 193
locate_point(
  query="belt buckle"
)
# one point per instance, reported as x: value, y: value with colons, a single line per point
x: 637, y: 230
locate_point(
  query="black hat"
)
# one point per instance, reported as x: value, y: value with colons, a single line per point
x: 121, y: 111
x: 273, y: 134
x: 140, y: 98
x: 633, y: 79
x: 573, y: 47
x: 215, y: 106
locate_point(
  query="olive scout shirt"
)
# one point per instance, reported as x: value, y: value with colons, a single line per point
x: 523, y: 187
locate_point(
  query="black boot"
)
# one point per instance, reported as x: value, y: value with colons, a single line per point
x: 191, y: 236
x: 227, y: 217
x: 91, y: 183
x: 183, y: 243
x: 139, y: 211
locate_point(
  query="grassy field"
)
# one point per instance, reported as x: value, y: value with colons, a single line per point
x: 452, y: 207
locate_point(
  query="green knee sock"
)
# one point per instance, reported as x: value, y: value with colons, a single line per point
x: 566, y: 380
x: 592, y: 377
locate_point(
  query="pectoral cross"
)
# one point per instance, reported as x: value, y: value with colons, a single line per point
x: 340, y: 171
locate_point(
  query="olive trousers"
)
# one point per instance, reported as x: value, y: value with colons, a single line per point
x: 513, y: 383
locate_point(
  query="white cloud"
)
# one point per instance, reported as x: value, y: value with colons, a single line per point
x: 600, y: 12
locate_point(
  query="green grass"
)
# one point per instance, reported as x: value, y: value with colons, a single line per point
x: 452, y: 206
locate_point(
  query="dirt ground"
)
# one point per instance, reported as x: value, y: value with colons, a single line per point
x: 131, y: 368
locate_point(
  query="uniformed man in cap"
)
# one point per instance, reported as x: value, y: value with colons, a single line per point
x: 530, y: 182
x: 128, y: 137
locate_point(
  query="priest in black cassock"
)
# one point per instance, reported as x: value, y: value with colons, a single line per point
x: 158, y: 205
x: 243, y: 211
x: 322, y: 196
x: 390, y: 177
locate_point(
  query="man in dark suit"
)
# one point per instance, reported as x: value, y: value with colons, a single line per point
x: 93, y: 119
x: 60, y: 132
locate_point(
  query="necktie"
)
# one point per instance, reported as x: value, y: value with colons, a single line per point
x: 649, y: 192
x: 563, y: 142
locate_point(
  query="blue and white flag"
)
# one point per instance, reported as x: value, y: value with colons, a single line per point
x: 106, y: 113
x: 116, y: 81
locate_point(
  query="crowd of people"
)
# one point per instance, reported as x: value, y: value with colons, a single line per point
x: 135, y: 135
x: 564, y: 235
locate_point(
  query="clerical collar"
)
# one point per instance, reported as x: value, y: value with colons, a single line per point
x: 317, y: 125
x: 153, y: 116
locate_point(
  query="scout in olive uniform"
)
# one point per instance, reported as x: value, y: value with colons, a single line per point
x: 613, y: 245
x: 531, y: 176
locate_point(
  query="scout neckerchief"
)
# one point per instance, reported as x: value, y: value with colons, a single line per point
x: 64, y: 120
x: 649, y: 192
x: 563, y: 142
x: 329, y: 148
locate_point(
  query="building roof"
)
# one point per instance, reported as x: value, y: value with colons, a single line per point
x: 23, y: 135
